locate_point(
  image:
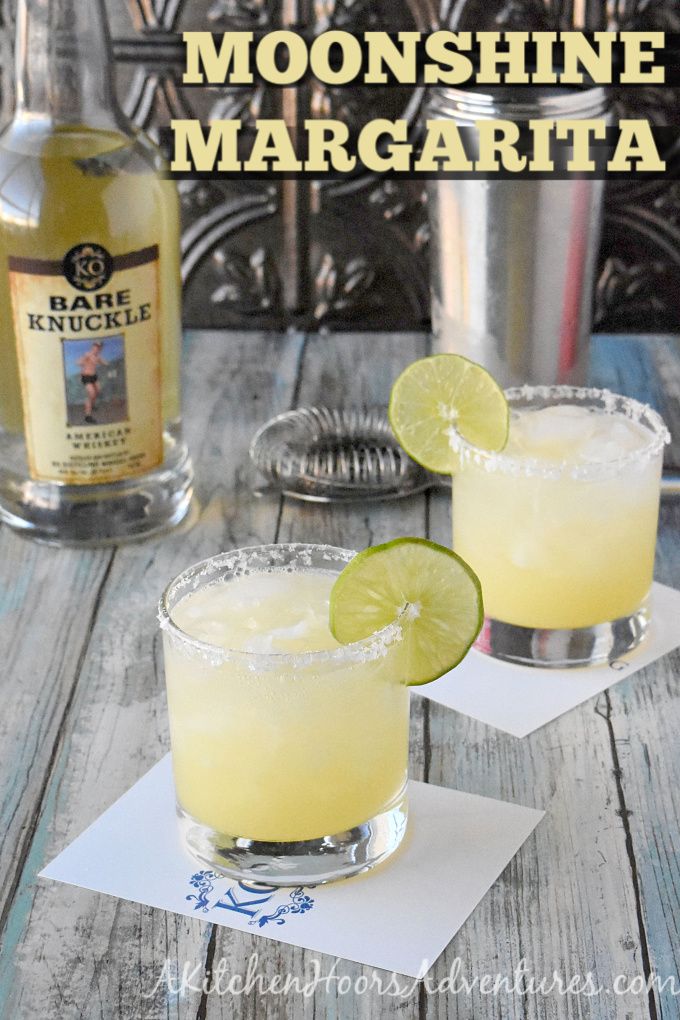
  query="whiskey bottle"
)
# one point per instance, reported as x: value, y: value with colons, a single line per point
x: 90, y: 299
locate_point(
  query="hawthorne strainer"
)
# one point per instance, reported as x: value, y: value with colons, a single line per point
x: 341, y: 454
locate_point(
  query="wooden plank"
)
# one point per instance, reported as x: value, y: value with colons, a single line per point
x: 79, y: 954
x: 48, y: 599
x: 643, y: 715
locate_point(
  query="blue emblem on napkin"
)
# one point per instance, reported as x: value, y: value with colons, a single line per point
x: 249, y: 899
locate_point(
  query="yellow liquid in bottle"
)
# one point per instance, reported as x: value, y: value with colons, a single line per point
x: 71, y: 185
x: 62, y: 187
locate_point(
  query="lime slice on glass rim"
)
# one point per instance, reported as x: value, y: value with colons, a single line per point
x: 431, y: 591
x: 441, y: 392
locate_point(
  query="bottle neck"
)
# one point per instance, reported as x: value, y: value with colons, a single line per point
x: 64, y: 68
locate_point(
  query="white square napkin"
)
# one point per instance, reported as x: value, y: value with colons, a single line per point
x: 519, y: 699
x: 400, y: 916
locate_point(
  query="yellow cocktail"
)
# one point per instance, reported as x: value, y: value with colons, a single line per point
x: 289, y: 750
x: 561, y: 526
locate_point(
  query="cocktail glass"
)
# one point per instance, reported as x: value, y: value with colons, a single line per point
x: 561, y: 527
x: 289, y: 768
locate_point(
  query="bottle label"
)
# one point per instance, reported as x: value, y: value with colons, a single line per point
x: 88, y: 347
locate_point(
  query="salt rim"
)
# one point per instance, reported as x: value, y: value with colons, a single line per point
x: 611, y: 403
x: 289, y: 556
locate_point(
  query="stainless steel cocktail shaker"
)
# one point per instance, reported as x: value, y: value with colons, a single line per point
x: 513, y: 261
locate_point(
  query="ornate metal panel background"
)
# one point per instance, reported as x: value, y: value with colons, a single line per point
x: 354, y: 254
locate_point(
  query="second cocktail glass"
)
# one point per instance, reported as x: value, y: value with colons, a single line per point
x: 290, y: 766
x: 561, y: 525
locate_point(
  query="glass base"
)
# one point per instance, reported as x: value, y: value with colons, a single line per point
x: 562, y: 649
x: 93, y: 515
x: 308, y: 862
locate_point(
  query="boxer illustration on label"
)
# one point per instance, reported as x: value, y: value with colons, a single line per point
x: 89, y: 363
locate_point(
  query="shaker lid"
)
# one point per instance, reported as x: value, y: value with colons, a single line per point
x: 516, y: 102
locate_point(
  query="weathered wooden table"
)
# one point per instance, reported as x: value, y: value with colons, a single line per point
x: 596, y: 889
